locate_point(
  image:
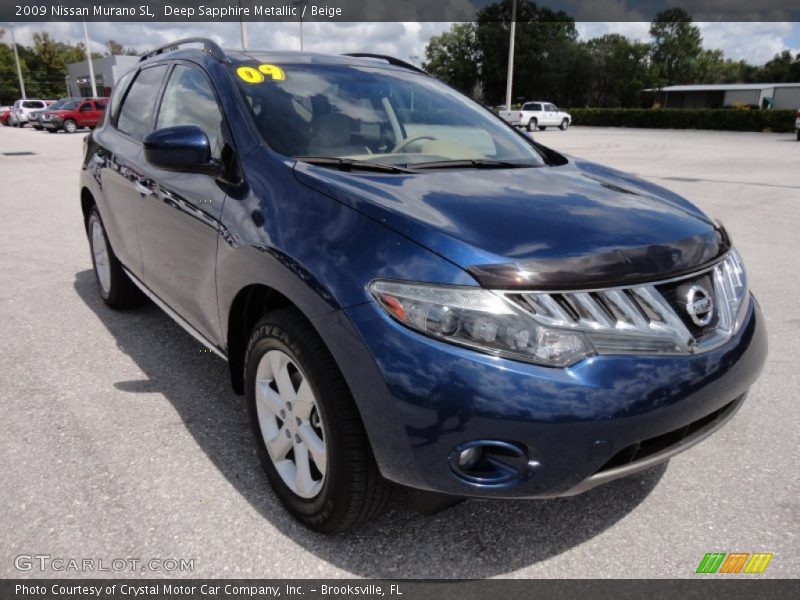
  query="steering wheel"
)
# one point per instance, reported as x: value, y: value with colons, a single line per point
x: 400, y: 147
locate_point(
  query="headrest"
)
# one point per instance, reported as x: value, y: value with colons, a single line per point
x: 332, y: 129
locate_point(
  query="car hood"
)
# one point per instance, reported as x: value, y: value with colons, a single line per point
x: 572, y: 226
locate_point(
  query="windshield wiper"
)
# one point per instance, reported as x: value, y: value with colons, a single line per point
x: 348, y: 164
x: 475, y: 163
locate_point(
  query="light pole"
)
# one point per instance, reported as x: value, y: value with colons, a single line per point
x: 301, y: 4
x: 89, y: 60
x: 510, y: 75
x: 243, y: 27
x: 19, y: 69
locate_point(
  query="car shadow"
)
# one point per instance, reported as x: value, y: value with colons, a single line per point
x: 474, y: 539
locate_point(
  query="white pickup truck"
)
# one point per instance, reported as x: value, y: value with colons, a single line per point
x: 537, y: 114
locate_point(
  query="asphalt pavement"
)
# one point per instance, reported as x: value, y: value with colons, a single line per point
x: 120, y: 437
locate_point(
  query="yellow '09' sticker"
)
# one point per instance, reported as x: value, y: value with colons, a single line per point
x: 272, y: 71
x: 256, y: 75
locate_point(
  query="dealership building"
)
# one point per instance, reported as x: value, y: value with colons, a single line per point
x: 107, y: 71
x: 762, y: 95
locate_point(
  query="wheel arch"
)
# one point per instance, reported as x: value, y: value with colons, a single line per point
x: 87, y: 202
x: 248, y: 306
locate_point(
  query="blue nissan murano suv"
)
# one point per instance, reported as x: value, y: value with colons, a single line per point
x: 408, y: 290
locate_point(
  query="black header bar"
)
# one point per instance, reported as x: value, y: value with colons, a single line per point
x: 380, y: 10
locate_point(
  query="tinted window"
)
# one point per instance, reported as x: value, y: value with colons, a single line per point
x: 190, y: 100
x: 100, y: 105
x: 58, y: 105
x: 119, y: 92
x: 551, y: 108
x: 32, y: 104
x: 86, y: 106
x: 385, y: 115
x: 136, y: 113
x: 71, y: 105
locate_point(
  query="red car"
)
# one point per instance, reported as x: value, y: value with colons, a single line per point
x: 78, y: 114
x: 5, y: 113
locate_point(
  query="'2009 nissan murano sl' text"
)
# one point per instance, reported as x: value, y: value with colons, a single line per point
x: 406, y: 288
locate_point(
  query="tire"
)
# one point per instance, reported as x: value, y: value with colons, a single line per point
x: 115, y: 287
x: 70, y: 126
x: 37, y: 127
x: 542, y: 127
x: 343, y: 489
x: 564, y: 125
x: 52, y: 131
x: 531, y: 124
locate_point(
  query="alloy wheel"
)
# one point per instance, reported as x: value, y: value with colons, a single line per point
x: 291, y: 424
x: 102, y: 265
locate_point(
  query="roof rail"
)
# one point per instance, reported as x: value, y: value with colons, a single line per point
x: 209, y: 46
x: 390, y: 59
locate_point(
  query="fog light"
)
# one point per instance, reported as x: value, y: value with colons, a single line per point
x: 469, y: 458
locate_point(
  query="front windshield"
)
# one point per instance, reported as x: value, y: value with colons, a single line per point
x: 59, y: 104
x: 373, y: 114
x: 68, y: 105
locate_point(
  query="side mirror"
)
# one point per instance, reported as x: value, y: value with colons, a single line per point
x: 183, y: 148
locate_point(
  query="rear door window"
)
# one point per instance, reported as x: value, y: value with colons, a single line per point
x: 136, y: 115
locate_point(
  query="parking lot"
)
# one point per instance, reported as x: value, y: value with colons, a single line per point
x: 120, y: 437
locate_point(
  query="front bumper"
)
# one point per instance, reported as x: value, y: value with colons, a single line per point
x: 52, y: 123
x: 421, y: 398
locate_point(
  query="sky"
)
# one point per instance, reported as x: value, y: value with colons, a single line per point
x: 755, y: 42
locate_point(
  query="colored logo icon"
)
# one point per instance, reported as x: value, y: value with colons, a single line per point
x: 734, y: 562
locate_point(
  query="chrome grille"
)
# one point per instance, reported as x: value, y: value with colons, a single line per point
x: 651, y: 317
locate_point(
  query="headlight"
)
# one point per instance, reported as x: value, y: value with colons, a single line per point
x: 731, y: 284
x: 479, y: 319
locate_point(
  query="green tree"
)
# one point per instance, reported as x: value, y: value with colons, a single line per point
x: 545, y: 39
x: 620, y: 71
x: 783, y: 68
x: 115, y: 48
x: 677, y: 47
x: 454, y: 57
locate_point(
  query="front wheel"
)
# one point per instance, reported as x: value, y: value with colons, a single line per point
x: 308, y: 432
x: 531, y: 125
x: 564, y: 125
x: 70, y: 126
